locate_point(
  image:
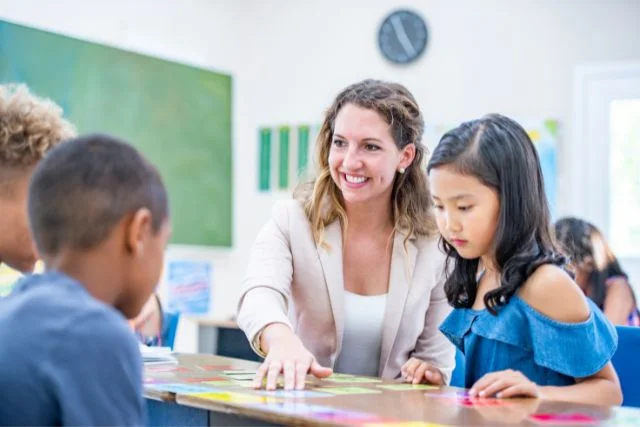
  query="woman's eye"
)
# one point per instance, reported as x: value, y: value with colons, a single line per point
x: 339, y: 143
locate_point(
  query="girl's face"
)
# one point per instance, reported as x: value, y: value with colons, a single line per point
x: 364, y: 158
x: 466, y: 210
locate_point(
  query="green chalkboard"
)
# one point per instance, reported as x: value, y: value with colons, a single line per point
x: 179, y: 116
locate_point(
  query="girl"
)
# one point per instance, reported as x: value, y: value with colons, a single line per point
x: 525, y: 327
x: 597, y: 270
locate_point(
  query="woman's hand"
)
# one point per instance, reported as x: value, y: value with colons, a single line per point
x: 416, y: 371
x: 286, y: 355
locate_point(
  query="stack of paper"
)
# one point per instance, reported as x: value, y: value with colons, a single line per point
x: 156, y: 355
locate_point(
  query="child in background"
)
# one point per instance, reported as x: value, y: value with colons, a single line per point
x: 597, y: 270
x: 29, y: 128
x: 148, y: 325
x: 525, y: 327
x: 98, y: 214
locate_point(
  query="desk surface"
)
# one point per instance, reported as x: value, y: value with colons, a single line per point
x: 219, y: 384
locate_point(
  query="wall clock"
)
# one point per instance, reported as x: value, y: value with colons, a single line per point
x: 403, y: 36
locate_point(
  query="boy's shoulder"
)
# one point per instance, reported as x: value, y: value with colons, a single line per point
x: 552, y: 292
x: 51, y: 305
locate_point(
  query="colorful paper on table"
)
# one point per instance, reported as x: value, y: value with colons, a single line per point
x: 360, y: 380
x: 449, y: 394
x: 226, y: 384
x: 231, y: 397
x: 154, y: 381
x: 321, y: 412
x: 214, y: 367
x: 295, y: 408
x: 239, y: 372
x: 293, y: 393
x: 346, y: 417
x: 161, y: 368
x: 241, y: 377
x: 574, y: 418
x: 339, y: 375
x: 484, y: 402
x: 404, y: 424
x: 200, y: 380
x: 625, y: 416
x: 181, y: 388
x: 347, y: 390
x: 405, y: 387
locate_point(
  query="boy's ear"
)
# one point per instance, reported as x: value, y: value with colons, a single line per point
x: 138, y: 227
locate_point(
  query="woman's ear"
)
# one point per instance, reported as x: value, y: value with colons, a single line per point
x: 138, y: 227
x: 407, y: 155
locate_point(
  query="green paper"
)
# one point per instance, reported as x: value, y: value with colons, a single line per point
x: 405, y: 387
x: 347, y: 390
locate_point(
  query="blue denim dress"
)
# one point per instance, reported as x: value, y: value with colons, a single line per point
x: 548, y: 352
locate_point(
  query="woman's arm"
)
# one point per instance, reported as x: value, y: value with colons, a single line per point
x: 264, y: 304
x: 432, y: 346
x: 267, y: 283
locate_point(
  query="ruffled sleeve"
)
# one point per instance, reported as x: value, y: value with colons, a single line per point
x: 574, y: 349
x: 457, y: 324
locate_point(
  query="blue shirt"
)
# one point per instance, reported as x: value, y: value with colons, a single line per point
x: 546, y: 351
x: 66, y: 358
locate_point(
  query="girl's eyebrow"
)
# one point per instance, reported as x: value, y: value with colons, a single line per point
x: 457, y: 197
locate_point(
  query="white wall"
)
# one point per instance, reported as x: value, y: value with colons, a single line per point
x: 289, y: 58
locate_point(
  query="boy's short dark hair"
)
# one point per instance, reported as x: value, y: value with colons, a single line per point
x: 84, y: 187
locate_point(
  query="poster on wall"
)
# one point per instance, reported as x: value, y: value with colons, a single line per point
x: 188, y: 285
x: 544, y: 135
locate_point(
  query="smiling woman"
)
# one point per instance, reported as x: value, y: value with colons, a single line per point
x: 355, y: 253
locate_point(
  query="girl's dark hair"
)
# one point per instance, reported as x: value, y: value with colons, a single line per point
x: 586, y: 247
x: 497, y: 151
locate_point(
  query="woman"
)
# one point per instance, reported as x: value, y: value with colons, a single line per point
x: 597, y: 270
x: 354, y: 258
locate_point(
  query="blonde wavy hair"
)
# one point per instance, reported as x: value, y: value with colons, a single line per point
x: 412, y: 212
x: 29, y: 126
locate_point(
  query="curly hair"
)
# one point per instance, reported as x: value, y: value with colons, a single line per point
x: 411, y: 200
x: 29, y: 126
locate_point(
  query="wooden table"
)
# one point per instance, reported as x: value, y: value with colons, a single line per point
x: 234, y: 404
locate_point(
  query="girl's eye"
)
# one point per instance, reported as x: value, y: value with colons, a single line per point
x: 438, y: 207
x: 371, y: 147
x: 465, y: 208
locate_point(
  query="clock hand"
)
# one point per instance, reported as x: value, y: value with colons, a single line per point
x: 402, y: 36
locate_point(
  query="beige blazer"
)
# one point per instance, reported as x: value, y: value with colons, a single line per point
x: 292, y: 281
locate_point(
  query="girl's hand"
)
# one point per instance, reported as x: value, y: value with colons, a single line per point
x: 416, y: 371
x: 503, y: 384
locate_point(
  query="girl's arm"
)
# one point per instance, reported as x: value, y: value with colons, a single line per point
x: 551, y: 292
x: 603, y: 388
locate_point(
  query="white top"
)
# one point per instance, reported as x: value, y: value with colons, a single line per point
x: 362, y: 339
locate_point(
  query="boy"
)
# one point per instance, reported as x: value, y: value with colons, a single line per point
x: 98, y: 214
x: 29, y: 127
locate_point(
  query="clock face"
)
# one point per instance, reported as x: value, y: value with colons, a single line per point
x: 403, y: 36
